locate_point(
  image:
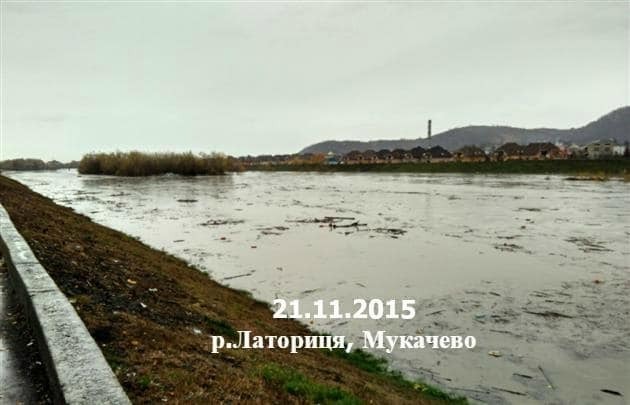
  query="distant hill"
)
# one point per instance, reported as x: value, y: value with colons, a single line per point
x: 613, y: 125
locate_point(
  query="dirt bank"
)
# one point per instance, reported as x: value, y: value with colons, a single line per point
x: 146, y: 310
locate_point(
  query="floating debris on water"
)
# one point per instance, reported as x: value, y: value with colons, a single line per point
x: 217, y: 222
x: 612, y: 392
x: 508, y: 247
x: 588, y: 245
x: 390, y: 231
x: 273, y: 230
x: 239, y: 275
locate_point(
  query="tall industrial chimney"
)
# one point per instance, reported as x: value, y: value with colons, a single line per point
x: 429, y: 130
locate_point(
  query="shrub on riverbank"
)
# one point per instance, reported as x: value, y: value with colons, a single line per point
x: 149, y: 164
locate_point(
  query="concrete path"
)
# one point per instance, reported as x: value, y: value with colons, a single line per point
x: 22, y: 375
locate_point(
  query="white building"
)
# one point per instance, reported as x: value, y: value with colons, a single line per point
x: 601, y: 149
x: 619, y: 150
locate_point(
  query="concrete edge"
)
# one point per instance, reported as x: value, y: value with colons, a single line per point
x: 77, y: 370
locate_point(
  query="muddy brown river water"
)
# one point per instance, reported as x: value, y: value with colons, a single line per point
x: 537, y: 268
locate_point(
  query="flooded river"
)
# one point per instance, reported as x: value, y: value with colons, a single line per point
x: 535, y: 267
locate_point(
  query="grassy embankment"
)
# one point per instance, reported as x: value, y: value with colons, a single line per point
x: 151, y: 314
x: 586, y: 168
x: 149, y: 164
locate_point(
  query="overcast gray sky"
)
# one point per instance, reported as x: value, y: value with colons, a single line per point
x: 274, y: 77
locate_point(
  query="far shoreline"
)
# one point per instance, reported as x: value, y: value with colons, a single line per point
x: 583, y: 169
x: 587, y: 168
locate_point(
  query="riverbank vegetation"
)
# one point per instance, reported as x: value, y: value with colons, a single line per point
x: 150, y: 164
x: 612, y: 167
x: 152, y: 314
x: 36, y: 164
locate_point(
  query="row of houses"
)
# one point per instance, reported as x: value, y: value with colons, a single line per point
x: 601, y: 149
x: 509, y: 151
x: 471, y: 153
x: 417, y: 154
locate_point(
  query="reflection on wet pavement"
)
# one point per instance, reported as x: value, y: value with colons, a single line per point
x: 22, y: 377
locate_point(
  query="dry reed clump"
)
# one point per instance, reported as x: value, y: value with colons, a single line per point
x: 148, y: 164
x: 594, y: 176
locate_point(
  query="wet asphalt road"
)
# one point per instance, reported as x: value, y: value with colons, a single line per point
x: 22, y: 376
